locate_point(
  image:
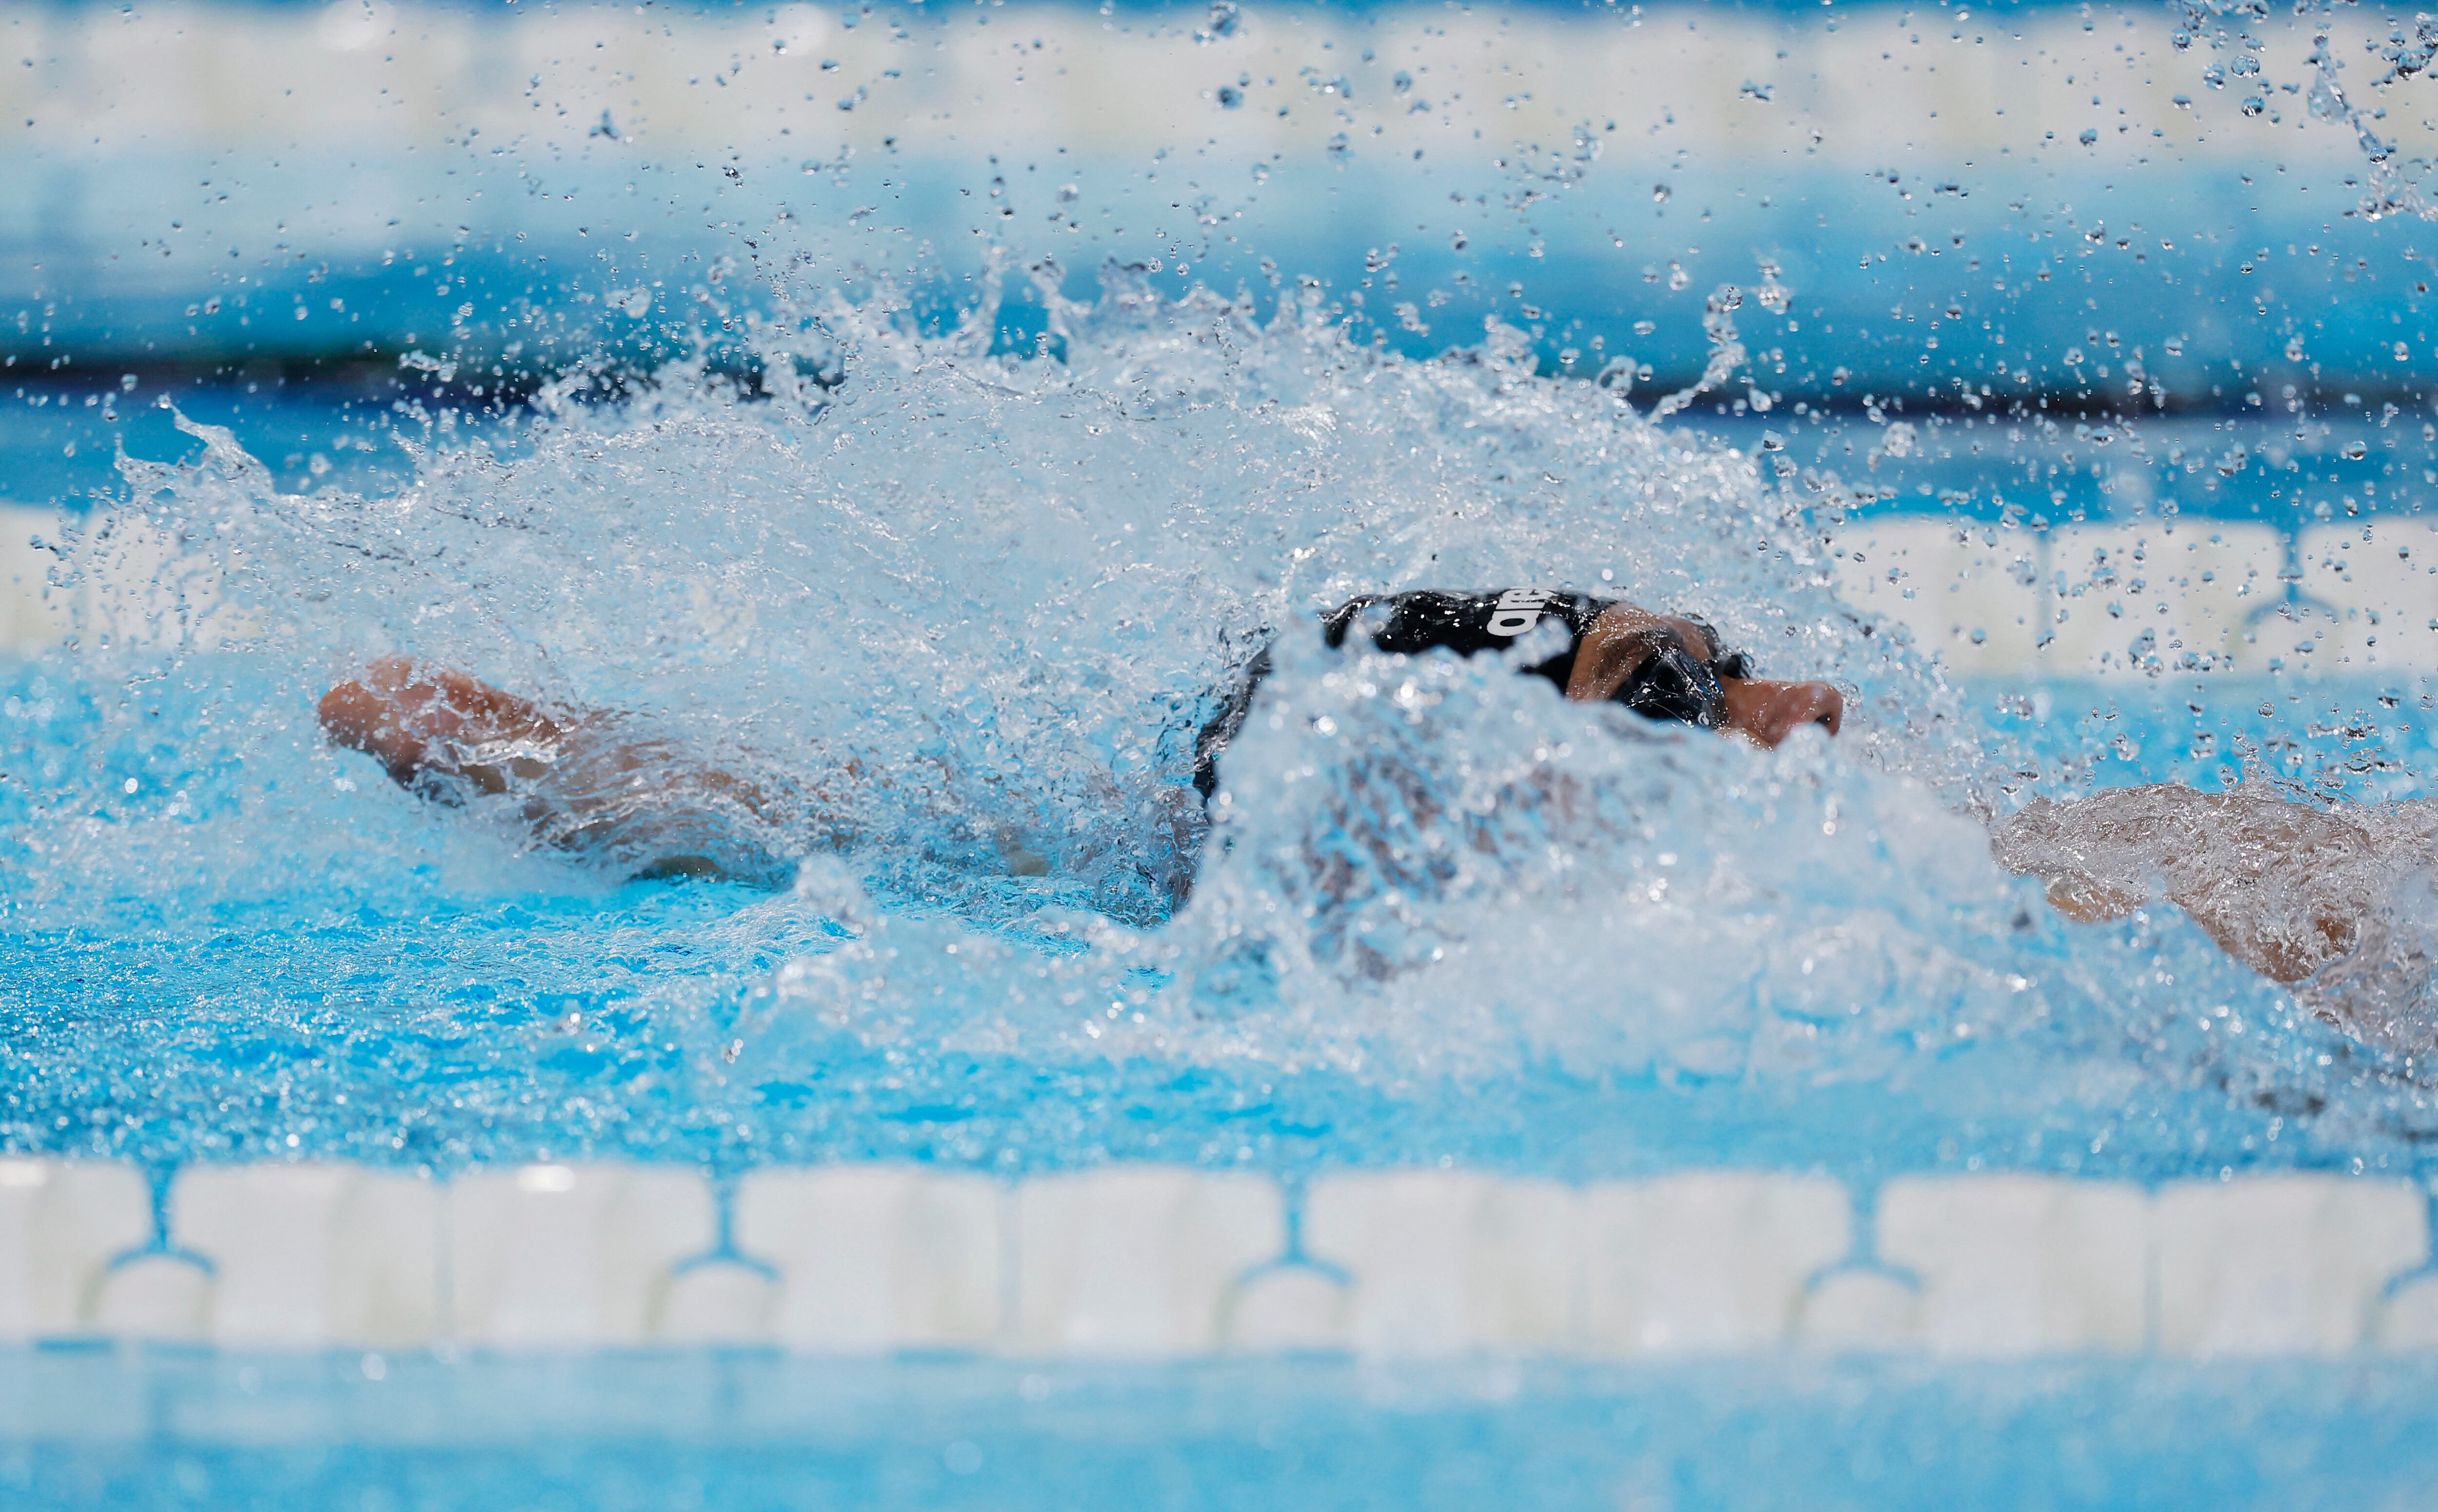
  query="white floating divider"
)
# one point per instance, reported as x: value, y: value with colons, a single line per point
x: 1166, y: 1262
x: 2409, y: 1319
x: 2110, y: 599
x: 29, y: 620
x: 2276, y: 1265
x: 312, y: 1254
x: 871, y: 1258
x: 1137, y: 1259
x: 570, y: 1255
x: 1707, y: 1262
x: 2379, y: 581
x: 2021, y: 1265
x: 1441, y: 1262
x: 61, y: 1225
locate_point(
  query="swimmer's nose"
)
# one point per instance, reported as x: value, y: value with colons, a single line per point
x: 1768, y: 712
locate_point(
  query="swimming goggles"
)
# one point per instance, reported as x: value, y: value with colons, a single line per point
x: 1672, y: 683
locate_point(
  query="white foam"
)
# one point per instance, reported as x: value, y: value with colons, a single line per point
x: 60, y: 1225
x: 570, y: 1254
x: 1706, y: 1262
x: 877, y: 1257
x: 1137, y: 1259
x: 2267, y: 1265
x: 312, y: 1255
x: 1443, y: 1262
x: 2020, y: 1264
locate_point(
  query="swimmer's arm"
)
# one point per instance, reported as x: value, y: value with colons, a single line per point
x: 587, y: 785
x: 2219, y: 860
x: 1617, y: 642
x: 589, y: 781
x: 416, y: 719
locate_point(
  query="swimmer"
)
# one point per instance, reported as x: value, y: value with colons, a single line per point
x: 589, y: 786
x: 2284, y: 888
x: 450, y: 736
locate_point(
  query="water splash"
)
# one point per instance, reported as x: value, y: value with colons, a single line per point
x: 2396, y: 183
x: 968, y: 606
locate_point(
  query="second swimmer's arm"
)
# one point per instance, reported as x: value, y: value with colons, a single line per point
x: 1619, y: 641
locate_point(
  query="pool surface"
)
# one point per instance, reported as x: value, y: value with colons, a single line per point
x: 1484, y: 1098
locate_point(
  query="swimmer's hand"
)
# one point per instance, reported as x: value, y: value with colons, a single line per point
x: 422, y: 722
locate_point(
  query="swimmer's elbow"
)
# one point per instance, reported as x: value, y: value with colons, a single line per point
x: 2087, y: 902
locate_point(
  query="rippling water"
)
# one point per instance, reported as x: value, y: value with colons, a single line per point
x: 959, y: 616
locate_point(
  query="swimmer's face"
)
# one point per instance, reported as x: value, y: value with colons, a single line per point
x: 1761, y: 710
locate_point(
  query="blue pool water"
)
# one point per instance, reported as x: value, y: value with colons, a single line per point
x: 231, y: 941
x: 950, y: 556
x: 1021, y: 579
x: 766, y: 1432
